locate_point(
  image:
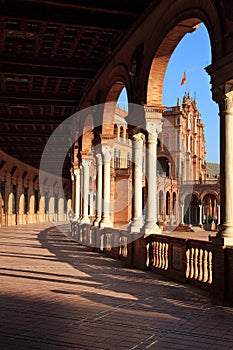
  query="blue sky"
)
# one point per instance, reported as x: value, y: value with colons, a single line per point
x: 192, y: 55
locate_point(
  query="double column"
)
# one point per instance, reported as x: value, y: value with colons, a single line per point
x: 81, y: 192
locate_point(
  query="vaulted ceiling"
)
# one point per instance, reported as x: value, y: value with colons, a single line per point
x: 50, y: 51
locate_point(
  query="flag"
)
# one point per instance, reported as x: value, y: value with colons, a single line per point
x: 183, y: 80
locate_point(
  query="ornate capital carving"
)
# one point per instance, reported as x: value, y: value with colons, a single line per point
x: 106, y: 154
x: 76, y: 172
x: 223, y: 95
x: 138, y: 138
x: 98, y: 157
x: 154, y: 129
x: 86, y: 164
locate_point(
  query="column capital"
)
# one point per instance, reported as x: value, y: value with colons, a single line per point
x: 223, y: 95
x: 76, y: 171
x: 106, y: 154
x: 153, y: 129
x: 98, y: 157
x: 138, y: 138
x: 86, y: 163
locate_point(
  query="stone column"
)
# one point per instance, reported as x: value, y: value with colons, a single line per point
x: 106, y: 221
x: 99, y: 199
x: 200, y: 215
x: 20, y: 201
x: 81, y: 191
x: 51, y: 203
x: 182, y: 214
x: 153, y: 129
x: 137, y: 146
x: 86, y: 173
x: 225, y: 236
x: 218, y: 206
x: 77, y: 193
x: 72, y: 192
x: 61, y: 207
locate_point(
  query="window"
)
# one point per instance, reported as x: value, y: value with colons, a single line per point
x: 178, y: 140
x: 117, y: 158
x: 128, y: 161
x: 115, y: 129
x: 167, y: 203
x: 121, y: 132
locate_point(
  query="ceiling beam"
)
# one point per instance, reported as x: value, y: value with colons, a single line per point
x: 110, y: 7
x: 29, y: 67
x: 117, y: 22
x: 46, y: 101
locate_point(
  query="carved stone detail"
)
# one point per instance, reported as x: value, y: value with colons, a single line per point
x: 106, y: 154
x: 138, y: 138
x: 223, y: 95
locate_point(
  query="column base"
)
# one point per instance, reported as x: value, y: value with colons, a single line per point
x: 85, y: 220
x: 106, y: 223
x: 223, y: 241
x: 225, y: 236
x: 151, y: 228
x: 97, y: 222
x: 135, y: 226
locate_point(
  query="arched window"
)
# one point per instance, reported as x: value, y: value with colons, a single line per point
x: 115, y: 130
x: 167, y: 203
x: 173, y: 202
x: 121, y: 132
x: 161, y: 203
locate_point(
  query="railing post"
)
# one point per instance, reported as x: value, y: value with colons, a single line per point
x: 219, y: 273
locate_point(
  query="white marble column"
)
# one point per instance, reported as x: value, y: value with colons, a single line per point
x: 73, y: 192
x: 77, y: 193
x: 182, y: 214
x: 86, y: 173
x: 137, y: 220
x: 61, y: 200
x: 200, y: 214
x: 99, y: 186
x: 151, y: 226
x: 218, y: 206
x: 106, y: 221
x: 225, y: 236
x: 81, y: 191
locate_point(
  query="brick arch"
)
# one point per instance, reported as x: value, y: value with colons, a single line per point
x: 118, y: 80
x: 179, y: 19
x: 210, y: 192
x: 190, y: 193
